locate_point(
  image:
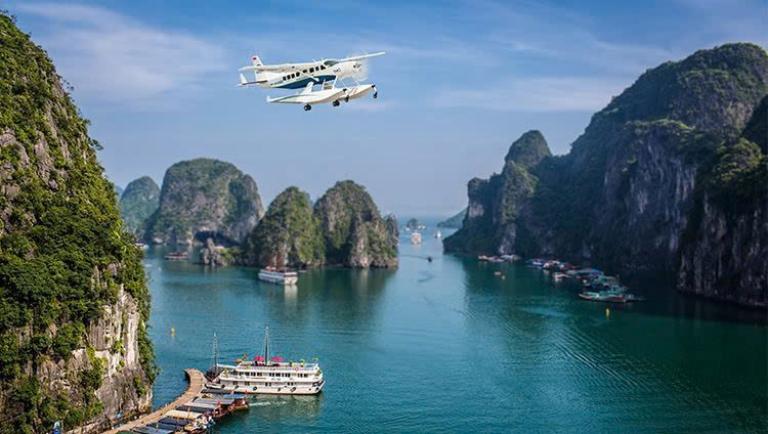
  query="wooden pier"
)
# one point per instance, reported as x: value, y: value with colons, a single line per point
x: 196, y: 382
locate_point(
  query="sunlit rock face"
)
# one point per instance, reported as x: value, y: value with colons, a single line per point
x: 73, y: 297
x: 355, y: 234
x: 205, y: 198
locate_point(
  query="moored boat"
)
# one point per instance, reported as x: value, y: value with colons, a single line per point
x: 415, y: 238
x: 609, y: 297
x: 282, y: 277
x: 176, y: 256
x: 265, y: 375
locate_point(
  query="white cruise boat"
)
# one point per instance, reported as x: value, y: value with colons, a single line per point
x: 274, y: 275
x: 263, y: 375
x: 415, y: 238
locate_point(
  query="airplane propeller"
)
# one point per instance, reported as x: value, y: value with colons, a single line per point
x: 362, y: 73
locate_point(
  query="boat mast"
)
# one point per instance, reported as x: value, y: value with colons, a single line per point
x: 215, y: 354
x: 266, y: 345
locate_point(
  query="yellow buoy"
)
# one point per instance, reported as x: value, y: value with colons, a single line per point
x: 173, y: 331
x: 607, y: 312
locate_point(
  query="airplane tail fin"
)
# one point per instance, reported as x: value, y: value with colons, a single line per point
x: 256, y: 61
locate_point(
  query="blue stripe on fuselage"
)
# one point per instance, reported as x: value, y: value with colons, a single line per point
x: 299, y: 84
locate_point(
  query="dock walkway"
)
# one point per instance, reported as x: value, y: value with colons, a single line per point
x: 196, y: 381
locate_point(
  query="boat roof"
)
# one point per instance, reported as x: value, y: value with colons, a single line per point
x: 198, y: 404
x: 214, y: 401
x: 272, y: 365
x: 224, y: 392
x: 170, y: 420
x: 150, y: 430
x: 189, y: 415
x: 198, y: 410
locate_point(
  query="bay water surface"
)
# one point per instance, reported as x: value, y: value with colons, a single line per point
x: 449, y: 346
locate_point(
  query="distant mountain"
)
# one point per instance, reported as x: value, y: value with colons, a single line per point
x: 74, y: 303
x: 667, y: 179
x: 118, y: 191
x: 454, y: 222
x: 139, y: 201
x: 205, y: 198
x: 414, y: 224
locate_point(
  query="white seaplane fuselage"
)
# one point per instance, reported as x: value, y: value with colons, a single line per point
x: 328, y: 74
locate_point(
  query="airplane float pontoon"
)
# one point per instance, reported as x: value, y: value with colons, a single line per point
x: 324, y: 73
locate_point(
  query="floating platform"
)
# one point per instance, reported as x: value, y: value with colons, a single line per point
x: 193, y: 412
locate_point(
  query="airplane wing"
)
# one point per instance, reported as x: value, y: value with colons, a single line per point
x: 282, y: 99
x: 284, y: 67
x: 362, y: 56
x: 292, y: 98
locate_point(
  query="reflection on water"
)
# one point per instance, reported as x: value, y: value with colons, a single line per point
x: 448, y: 346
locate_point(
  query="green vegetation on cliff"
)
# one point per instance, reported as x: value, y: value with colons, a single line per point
x: 204, y: 198
x: 63, y: 252
x: 138, y: 202
x: 661, y: 158
x: 344, y: 228
x: 494, y: 204
x: 287, y: 235
x: 355, y: 234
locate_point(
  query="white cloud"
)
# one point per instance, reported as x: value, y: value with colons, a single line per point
x: 548, y: 94
x: 111, y: 58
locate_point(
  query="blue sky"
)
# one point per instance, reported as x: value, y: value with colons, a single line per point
x: 460, y: 82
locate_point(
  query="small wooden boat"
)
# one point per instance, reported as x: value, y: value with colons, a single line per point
x: 176, y: 256
x: 609, y: 297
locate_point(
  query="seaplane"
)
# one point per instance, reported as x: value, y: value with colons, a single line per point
x: 332, y: 76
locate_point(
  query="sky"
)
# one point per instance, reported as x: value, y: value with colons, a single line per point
x: 461, y: 80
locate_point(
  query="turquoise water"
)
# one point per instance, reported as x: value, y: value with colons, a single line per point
x: 447, y: 346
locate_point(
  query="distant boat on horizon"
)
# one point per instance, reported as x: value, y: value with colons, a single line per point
x: 416, y: 238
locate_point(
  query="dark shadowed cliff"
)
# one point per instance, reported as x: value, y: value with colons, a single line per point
x: 494, y: 203
x: 637, y: 185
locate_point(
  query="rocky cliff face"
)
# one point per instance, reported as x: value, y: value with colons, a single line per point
x: 625, y: 194
x: 355, y: 234
x: 138, y: 202
x: 288, y: 235
x: 490, y: 224
x: 73, y: 300
x: 202, y: 199
x: 725, y: 247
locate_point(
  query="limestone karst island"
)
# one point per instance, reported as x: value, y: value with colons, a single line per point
x: 507, y: 217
